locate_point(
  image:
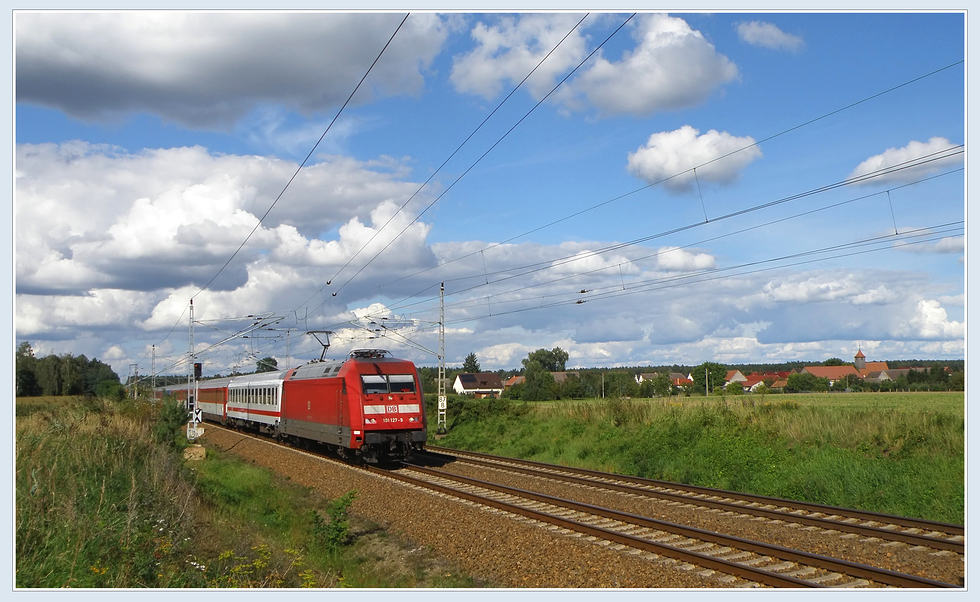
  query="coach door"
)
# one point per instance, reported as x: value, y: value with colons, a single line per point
x: 339, y: 407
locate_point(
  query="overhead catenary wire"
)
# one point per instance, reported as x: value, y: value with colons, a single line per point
x: 757, y: 143
x: 661, y: 181
x: 884, y: 242
x: 303, y: 164
x: 719, y: 273
x: 687, y: 280
x: 297, y: 171
x: 681, y: 173
x: 889, y: 170
x: 481, y: 157
x: 458, y: 148
x: 552, y: 263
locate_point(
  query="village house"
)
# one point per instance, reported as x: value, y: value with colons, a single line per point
x: 734, y: 376
x: 559, y: 377
x: 479, y: 385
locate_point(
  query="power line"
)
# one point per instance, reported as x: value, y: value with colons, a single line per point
x: 681, y: 173
x: 890, y: 170
x: 679, y: 280
x: 310, y: 154
x: 487, y: 152
x: 458, y: 148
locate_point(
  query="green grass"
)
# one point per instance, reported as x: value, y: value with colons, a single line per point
x: 103, y: 501
x: 98, y: 504
x: 898, y: 453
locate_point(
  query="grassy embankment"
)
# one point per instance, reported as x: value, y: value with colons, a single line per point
x: 897, y: 453
x: 104, y: 499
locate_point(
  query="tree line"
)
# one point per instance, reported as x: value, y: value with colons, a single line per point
x: 709, y: 378
x: 64, y: 374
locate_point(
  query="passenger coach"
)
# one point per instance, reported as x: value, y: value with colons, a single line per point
x: 369, y: 405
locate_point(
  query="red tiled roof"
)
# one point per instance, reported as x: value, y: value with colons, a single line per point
x: 832, y: 372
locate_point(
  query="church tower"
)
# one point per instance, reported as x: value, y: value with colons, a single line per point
x: 859, y: 360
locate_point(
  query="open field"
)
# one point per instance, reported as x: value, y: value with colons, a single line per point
x: 899, y: 453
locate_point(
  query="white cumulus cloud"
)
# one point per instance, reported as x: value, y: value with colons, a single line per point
x: 926, y: 157
x: 674, y: 154
x: 930, y: 321
x: 852, y: 288
x: 672, y: 67
x: 506, y: 51
x: 677, y: 259
x: 207, y: 70
x: 767, y: 35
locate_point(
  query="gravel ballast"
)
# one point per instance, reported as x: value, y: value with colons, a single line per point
x: 489, y: 545
x: 501, y: 550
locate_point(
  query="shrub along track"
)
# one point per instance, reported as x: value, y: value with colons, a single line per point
x: 489, y: 544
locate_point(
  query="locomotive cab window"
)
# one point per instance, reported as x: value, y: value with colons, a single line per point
x: 402, y: 383
x: 374, y: 384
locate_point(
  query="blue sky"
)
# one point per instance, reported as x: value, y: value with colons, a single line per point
x: 147, y: 153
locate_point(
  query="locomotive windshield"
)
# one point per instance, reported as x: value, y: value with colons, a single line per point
x: 387, y: 383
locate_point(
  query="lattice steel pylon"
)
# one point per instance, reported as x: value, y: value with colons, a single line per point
x: 441, y: 420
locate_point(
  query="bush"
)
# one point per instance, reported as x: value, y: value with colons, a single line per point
x: 171, y: 421
x: 335, y: 531
x: 111, y: 390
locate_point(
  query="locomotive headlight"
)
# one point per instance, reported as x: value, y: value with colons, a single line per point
x: 413, y: 419
x: 370, y: 421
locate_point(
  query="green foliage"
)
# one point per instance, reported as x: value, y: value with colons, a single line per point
x: 620, y: 384
x: 734, y: 388
x: 334, y: 531
x: 266, y: 364
x: 715, y: 372
x: 101, y: 504
x: 98, y: 503
x: 894, y: 453
x: 662, y: 385
x: 58, y: 375
x: 798, y: 383
x: 550, y: 361
x: 111, y: 390
x: 834, y: 361
x: 539, y: 384
x: 170, y: 422
x: 470, y: 364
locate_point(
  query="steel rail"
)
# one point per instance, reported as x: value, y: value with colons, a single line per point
x: 731, y: 568
x: 826, y: 523
x: 903, y: 521
x: 884, y: 576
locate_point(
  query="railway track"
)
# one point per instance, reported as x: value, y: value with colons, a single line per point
x: 914, y: 532
x: 731, y: 561
x: 753, y: 562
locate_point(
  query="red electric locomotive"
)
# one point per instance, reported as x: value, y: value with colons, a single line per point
x: 369, y: 406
